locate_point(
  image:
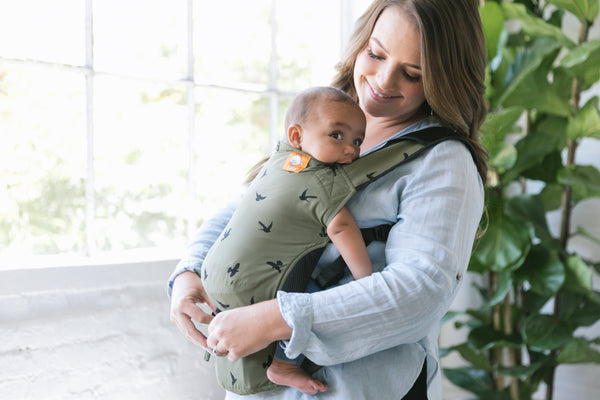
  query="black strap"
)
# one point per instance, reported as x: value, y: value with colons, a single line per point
x: 419, y: 389
x: 332, y: 274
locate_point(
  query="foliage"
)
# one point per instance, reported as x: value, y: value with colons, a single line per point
x: 537, y: 291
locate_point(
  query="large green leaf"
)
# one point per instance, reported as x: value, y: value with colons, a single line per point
x: 578, y: 351
x: 543, y: 270
x: 498, y: 123
x: 473, y: 380
x: 520, y: 371
x: 544, y: 332
x: 484, y: 338
x: 526, y: 63
x: 535, y: 26
x: 585, y: 180
x: 586, y: 122
x: 584, y: 10
x: 530, y: 208
x: 503, y: 286
x: 583, y: 62
x: 535, y: 92
x: 504, y: 245
x: 492, y: 19
x: 579, y: 275
x: 579, y: 309
x: 475, y: 357
x: 531, y: 151
x: 551, y: 196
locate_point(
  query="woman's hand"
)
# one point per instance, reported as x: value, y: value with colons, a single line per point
x: 246, y: 330
x: 187, y: 291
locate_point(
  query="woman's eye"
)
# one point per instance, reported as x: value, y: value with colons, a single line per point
x: 373, y: 55
x: 336, y: 135
x: 412, y: 78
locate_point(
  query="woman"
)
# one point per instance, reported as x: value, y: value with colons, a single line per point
x: 411, y: 64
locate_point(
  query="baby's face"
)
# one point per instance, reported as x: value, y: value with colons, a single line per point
x: 334, y: 133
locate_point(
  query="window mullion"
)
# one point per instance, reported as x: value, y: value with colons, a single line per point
x: 274, y: 89
x: 191, y: 113
x: 90, y: 196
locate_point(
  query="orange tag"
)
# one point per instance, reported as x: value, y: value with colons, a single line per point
x: 296, y: 162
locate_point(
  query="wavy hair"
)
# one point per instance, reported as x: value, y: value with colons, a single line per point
x: 453, y: 61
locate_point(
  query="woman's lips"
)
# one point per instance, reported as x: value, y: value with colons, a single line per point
x: 382, y: 98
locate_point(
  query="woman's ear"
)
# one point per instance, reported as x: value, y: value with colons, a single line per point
x: 294, y: 134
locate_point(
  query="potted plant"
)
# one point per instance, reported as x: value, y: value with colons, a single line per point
x: 536, y: 290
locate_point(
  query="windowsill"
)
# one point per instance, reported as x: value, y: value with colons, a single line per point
x: 55, y: 273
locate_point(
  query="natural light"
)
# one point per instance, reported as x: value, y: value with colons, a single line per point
x: 126, y: 123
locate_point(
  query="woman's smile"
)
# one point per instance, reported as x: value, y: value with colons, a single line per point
x: 379, y: 97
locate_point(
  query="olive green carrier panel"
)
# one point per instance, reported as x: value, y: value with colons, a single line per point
x: 290, y: 220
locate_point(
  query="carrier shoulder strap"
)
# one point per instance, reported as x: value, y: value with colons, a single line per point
x: 398, y: 151
x: 377, y: 164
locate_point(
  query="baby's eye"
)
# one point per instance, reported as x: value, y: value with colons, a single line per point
x: 336, y: 135
x: 358, y: 142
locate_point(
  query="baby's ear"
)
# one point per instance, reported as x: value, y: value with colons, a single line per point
x: 294, y: 135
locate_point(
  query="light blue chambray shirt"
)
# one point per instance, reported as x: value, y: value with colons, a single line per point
x: 373, y: 334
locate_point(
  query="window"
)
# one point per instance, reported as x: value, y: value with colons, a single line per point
x: 124, y: 124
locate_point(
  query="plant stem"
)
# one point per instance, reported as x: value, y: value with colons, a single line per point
x: 566, y: 205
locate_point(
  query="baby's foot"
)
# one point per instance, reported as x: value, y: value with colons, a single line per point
x: 284, y: 373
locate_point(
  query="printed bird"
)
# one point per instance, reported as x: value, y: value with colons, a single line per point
x: 234, y: 270
x: 260, y: 197
x: 275, y: 265
x: 226, y: 234
x: 306, y: 197
x: 265, y: 228
x: 223, y: 305
x: 233, y: 378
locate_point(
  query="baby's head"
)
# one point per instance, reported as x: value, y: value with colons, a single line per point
x: 327, y: 124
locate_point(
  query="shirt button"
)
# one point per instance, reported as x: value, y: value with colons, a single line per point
x: 458, y: 276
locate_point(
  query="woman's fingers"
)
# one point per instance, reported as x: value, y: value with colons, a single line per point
x: 187, y: 293
x: 245, y: 330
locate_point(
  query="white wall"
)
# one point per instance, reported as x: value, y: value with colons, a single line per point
x: 96, y: 332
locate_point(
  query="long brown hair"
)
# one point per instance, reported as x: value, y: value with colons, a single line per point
x: 452, y: 62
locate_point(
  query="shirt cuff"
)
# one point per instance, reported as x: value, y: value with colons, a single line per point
x: 296, y: 309
x: 180, y: 268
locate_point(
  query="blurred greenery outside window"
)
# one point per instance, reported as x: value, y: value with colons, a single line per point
x: 125, y: 124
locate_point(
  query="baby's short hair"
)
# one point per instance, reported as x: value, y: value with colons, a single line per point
x: 305, y: 100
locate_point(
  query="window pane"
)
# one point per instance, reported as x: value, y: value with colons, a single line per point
x: 308, y: 43
x: 141, y: 163
x: 232, y: 41
x: 42, y: 161
x: 141, y: 37
x: 43, y: 30
x: 232, y: 135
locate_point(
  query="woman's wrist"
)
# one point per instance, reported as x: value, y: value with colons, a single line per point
x: 277, y: 327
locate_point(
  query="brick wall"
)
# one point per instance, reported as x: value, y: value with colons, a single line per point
x: 98, y: 332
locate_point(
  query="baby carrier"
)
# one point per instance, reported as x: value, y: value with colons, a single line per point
x: 230, y: 284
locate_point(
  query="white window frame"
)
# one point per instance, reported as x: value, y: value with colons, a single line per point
x: 348, y: 14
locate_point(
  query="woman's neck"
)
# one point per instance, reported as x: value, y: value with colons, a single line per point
x: 379, y: 130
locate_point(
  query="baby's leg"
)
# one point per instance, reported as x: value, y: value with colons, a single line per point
x: 288, y: 372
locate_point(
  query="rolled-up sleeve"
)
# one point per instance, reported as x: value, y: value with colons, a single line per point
x: 436, y: 204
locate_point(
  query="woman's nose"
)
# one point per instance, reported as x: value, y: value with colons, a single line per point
x: 387, y: 79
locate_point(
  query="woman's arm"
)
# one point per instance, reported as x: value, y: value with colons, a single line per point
x: 437, y: 201
x: 185, y: 286
x: 438, y: 207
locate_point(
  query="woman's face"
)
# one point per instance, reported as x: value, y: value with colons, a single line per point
x: 387, y: 72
